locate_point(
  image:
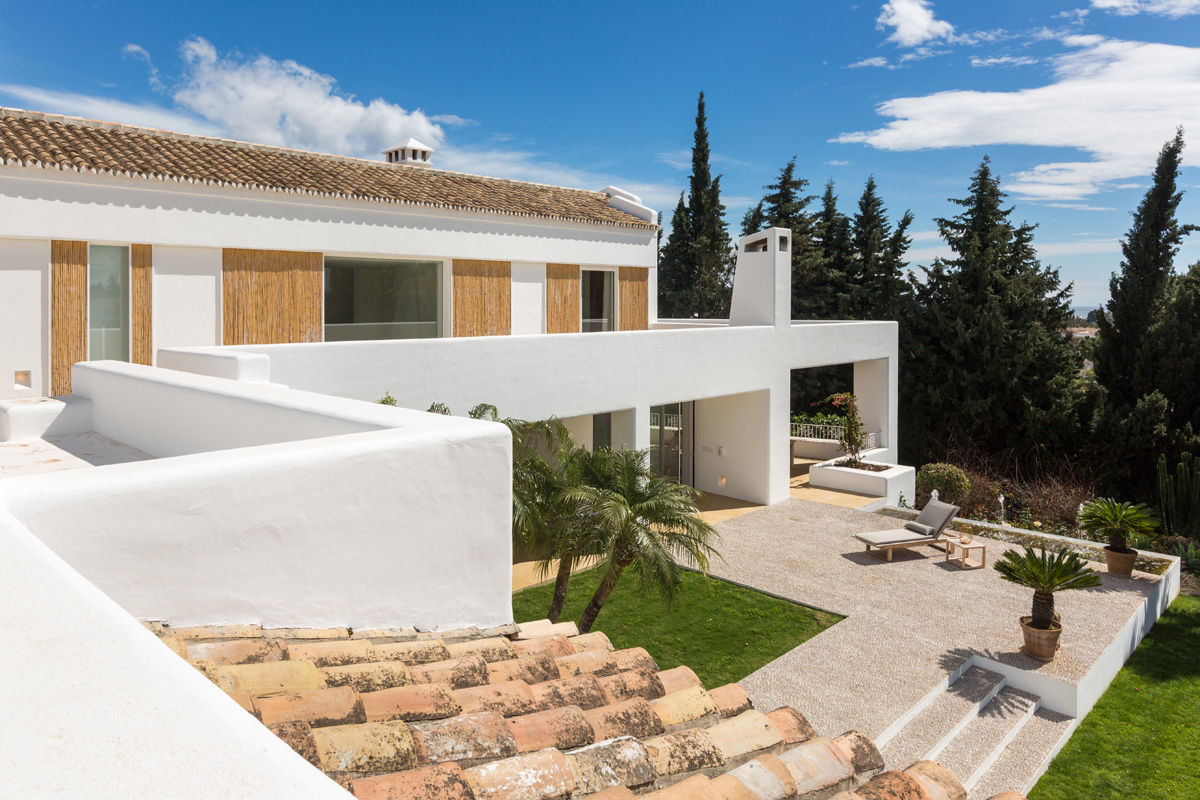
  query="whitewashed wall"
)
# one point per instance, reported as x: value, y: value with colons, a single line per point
x: 93, y: 705
x: 186, y: 296
x: 407, y: 523
x: 24, y: 315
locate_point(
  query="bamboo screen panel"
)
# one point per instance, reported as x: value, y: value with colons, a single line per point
x: 271, y: 296
x: 482, y: 298
x: 68, y: 311
x: 141, y: 288
x: 562, y: 298
x: 635, y: 298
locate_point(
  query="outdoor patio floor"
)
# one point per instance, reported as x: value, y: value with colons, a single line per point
x: 908, y: 622
x: 58, y: 453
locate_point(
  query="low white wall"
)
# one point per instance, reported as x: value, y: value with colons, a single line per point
x: 170, y: 413
x: 392, y: 517
x: 528, y: 298
x: 24, y: 315
x: 186, y: 296
x: 93, y: 705
x: 823, y: 449
x: 894, y: 484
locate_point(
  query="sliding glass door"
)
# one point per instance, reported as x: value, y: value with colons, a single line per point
x: 376, y: 298
x: 671, y: 441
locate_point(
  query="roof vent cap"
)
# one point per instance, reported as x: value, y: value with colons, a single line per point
x: 410, y: 153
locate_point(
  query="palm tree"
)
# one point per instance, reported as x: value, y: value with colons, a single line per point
x: 1119, y: 522
x: 638, y: 520
x: 1046, y: 574
x: 544, y: 519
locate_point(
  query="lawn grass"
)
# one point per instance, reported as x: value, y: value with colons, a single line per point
x: 721, y: 630
x: 1143, y: 738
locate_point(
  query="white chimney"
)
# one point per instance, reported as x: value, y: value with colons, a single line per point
x: 410, y: 153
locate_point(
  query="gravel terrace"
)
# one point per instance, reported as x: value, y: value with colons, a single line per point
x: 908, y: 622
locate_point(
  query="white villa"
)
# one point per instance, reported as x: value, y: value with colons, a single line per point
x: 194, y: 333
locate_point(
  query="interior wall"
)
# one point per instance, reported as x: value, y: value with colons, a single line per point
x: 24, y: 323
x: 187, y: 296
x: 581, y: 429
x: 732, y: 438
x: 528, y: 298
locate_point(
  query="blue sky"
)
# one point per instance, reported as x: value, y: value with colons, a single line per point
x: 1070, y: 99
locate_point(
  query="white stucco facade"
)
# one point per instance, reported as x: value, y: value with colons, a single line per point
x: 188, y: 226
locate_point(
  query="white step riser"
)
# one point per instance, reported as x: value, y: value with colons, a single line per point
x: 884, y: 738
x: 964, y: 722
x: 994, y: 756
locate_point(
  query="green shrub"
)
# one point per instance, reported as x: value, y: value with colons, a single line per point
x: 1179, y: 497
x: 387, y: 399
x: 819, y: 418
x: 951, y: 483
x: 439, y: 408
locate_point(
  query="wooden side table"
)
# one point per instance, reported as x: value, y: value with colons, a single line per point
x: 964, y: 553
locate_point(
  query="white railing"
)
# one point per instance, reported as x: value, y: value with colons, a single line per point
x: 833, y: 433
x: 670, y: 421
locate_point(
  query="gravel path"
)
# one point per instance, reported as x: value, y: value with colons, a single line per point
x: 908, y: 622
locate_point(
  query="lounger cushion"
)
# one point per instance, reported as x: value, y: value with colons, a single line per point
x: 891, y: 538
x: 937, y: 515
x: 916, y: 527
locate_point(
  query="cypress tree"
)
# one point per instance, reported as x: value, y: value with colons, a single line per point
x: 1139, y: 290
x: 1142, y: 358
x: 696, y: 264
x: 986, y: 365
x: 878, y: 284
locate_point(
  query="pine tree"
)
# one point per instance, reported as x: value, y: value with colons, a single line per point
x: 826, y: 289
x: 676, y: 271
x: 754, y: 220
x: 878, y: 283
x: 986, y: 366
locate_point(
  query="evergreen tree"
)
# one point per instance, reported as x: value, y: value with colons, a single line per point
x: 1139, y: 291
x: 754, y: 220
x: 878, y: 284
x: 826, y: 289
x: 696, y: 264
x: 985, y: 361
x: 676, y: 271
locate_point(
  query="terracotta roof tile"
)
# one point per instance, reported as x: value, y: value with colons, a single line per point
x: 510, y: 729
x: 49, y: 141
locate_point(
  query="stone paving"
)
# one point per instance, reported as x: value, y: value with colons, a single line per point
x: 908, y: 623
x: 58, y: 453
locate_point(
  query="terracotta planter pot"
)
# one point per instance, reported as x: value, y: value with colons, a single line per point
x: 1040, y: 644
x: 1120, y: 564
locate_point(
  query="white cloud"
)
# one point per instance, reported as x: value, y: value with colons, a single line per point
x: 1116, y: 100
x: 107, y: 110
x: 1073, y: 15
x: 453, y: 120
x: 1079, y: 206
x: 140, y: 53
x: 1045, y: 250
x: 1003, y: 61
x: 836, y: 162
x: 925, y: 236
x: 1173, y: 9
x: 922, y: 53
x: 873, y: 61
x: 912, y: 22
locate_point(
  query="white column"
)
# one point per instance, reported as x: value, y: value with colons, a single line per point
x: 875, y: 384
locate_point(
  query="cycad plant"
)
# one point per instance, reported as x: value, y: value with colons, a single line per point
x: 1046, y: 573
x: 636, y: 520
x: 1118, y: 522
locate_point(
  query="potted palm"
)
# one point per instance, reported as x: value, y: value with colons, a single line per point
x: 1045, y: 573
x: 1118, y: 522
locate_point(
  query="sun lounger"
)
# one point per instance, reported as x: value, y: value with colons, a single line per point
x: 929, y: 527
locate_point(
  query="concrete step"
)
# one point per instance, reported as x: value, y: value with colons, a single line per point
x: 984, y: 740
x: 937, y: 724
x: 1025, y: 758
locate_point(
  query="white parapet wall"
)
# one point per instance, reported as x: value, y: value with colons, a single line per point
x: 94, y: 705
x: 280, y: 507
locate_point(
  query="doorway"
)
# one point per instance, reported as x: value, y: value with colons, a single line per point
x: 671, y: 441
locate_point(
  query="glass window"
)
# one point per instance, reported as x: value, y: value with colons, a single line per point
x: 108, y: 302
x: 598, y: 290
x: 375, y: 298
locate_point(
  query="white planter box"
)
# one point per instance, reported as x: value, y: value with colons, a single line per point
x: 892, y: 483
